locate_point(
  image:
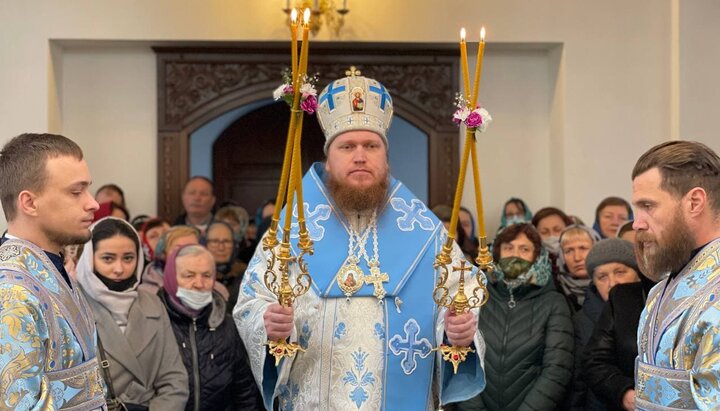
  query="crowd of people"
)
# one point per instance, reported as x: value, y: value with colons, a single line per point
x: 159, y: 316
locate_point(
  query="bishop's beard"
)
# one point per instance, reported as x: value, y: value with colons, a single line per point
x: 668, y: 254
x: 351, y: 199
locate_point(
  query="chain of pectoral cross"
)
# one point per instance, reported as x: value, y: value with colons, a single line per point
x: 376, y: 277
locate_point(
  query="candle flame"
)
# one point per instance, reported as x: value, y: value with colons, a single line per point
x: 462, y: 34
x: 293, y: 16
x: 306, y: 16
x: 482, y: 33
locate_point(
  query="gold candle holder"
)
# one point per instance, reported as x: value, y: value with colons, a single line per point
x: 280, y: 260
x: 460, y: 302
x: 285, y: 292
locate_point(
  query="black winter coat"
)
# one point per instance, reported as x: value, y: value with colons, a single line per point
x: 609, y: 357
x: 529, y: 349
x: 215, y: 359
x: 580, y: 398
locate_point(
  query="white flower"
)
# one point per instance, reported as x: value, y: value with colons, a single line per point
x: 461, y: 114
x: 486, y: 119
x: 279, y: 92
x: 307, y: 89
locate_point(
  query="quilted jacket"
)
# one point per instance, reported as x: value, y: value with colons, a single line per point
x: 529, y: 357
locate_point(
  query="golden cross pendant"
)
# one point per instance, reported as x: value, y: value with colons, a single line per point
x: 376, y: 278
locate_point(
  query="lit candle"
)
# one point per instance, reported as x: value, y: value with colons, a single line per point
x: 464, y: 64
x: 293, y: 43
x: 478, y: 67
x: 304, y: 47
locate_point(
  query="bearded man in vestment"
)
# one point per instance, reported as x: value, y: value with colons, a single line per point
x: 368, y: 342
x: 676, y: 194
x: 47, y: 335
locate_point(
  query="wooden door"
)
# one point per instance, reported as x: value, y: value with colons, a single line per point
x: 248, y: 155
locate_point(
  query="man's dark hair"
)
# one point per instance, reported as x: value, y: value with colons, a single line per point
x: 23, y: 165
x: 511, y: 232
x: 684, y: 165
x: 203, y: 178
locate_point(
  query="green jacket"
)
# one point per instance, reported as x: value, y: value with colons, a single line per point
x: 529, y: 357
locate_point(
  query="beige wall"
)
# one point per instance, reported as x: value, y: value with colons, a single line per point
x: 699, y: 68
x: 608, y: 86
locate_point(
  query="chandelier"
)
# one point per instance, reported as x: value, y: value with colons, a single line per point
x: 324, y: 12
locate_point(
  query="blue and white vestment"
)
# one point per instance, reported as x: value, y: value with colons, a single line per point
x: 360, y: 354
x: 678, y: 366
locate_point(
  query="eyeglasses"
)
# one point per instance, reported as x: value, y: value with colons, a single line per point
x: 216, y: 242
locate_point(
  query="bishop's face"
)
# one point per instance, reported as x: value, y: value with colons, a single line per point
x: 357, y: 168
x: 357, y: 159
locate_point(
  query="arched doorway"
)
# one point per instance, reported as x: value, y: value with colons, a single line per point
x: 248, y: 155
x: 199, y: 83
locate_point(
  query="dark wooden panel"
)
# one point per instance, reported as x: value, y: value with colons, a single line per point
x: 198, y: 82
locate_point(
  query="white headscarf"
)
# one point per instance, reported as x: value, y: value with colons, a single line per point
x: 117, y: 303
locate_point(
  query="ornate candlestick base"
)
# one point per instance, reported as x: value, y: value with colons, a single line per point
x: 278, y: 282
x: 282, y: 349
x: 459, y: 304
x: 454, y: 354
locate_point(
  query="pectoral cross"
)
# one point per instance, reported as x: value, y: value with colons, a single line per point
x: 377, y: 278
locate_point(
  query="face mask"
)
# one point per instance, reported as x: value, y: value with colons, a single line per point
x: 516, y: 219
x: 197, y: 300
x: 514, y: 267
x: 552, y: 244
x: 118, y: 286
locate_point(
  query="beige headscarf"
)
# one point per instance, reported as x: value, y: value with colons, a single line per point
x: 117, y: 303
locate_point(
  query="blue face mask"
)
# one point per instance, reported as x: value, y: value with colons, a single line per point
x: 516, y: 219
x: 197, y: 300
x: 552, y: 244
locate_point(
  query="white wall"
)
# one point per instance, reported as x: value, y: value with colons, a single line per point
x: 106, y: 110
x: 699, y: 68
x: 611, y: 103
x: 515, y: 151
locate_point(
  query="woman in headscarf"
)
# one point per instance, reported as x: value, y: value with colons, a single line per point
x: 527, y: 329
x: 210, y: 346
x: 573, y: 279
x: 179, y: 235
x: 550, y: 223
x: 219, y: 240
x: 151, y: 230
x: 515, y: 211
x: 610, y: 214
x: 134, y: 333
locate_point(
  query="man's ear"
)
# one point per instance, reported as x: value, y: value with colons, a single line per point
x: 695, y: 201
x: 27, y: 203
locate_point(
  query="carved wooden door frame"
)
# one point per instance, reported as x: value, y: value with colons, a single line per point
x: 199, y: 82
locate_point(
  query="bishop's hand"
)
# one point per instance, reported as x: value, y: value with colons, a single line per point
x: 460, y: 329
x: 278, y: 322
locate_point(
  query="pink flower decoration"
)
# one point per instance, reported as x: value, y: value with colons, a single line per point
x: 288, y: 89
x: 473, y: 120
x: 309, y: 104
